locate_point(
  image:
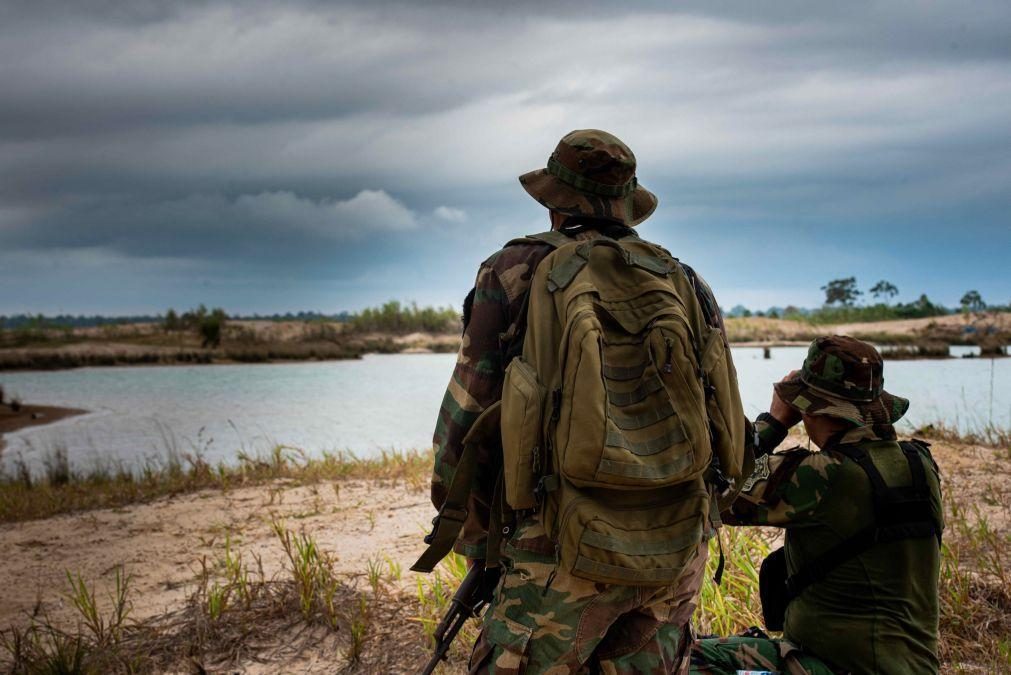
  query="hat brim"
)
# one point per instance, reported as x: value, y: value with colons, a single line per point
x: 553, y: 193
x: 809, y: 400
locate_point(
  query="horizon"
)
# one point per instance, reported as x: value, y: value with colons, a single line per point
x: 261, y: 158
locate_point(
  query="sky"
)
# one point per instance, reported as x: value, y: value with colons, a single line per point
x: 272, y: 157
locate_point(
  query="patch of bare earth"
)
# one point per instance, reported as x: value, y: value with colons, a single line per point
x: 164, y: 544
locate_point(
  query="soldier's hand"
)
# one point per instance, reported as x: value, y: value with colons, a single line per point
x: 784, y: 414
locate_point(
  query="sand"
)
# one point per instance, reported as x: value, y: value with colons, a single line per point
x: 30, y: 416
x: 161, y: 544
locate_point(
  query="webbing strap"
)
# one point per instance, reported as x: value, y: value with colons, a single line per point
x: 645, y: 471
x: 580, y: 182
x: 899, y: 513
x: 626, y: 398
x: 642, y: 420
x: 658, y: 574
x: 496, y: 533
x: 447, y: 524
x: 624, y: 373
x: 616, y: 439
x: 658, y: 547
x: 553, y: 238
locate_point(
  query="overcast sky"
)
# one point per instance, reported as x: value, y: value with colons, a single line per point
x: 317, y: 155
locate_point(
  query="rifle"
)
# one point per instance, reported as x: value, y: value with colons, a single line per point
x: 474, y: 593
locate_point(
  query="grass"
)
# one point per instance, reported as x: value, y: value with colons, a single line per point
x: 235, y: 611
x: 986, y: 434
x: 63, y: 489
x: 236, y: 608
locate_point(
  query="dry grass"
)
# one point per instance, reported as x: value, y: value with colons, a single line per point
x: 237, y: 615
x: 62, y: 489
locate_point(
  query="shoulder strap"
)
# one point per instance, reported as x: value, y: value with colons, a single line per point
x: 899, y: 513
x: 552, y: 238
x: 447, y: 524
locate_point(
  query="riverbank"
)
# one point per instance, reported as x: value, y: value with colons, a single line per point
x: 14, y: 417
x: 301, y: 566
x: 279, y: 341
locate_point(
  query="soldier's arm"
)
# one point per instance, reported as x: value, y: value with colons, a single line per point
x: 476, y: 384
x: 785, y: 490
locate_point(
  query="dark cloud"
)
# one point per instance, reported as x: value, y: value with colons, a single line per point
x: 313, y: 136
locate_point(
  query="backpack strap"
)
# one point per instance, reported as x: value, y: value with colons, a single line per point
x: 563, y: 274
x: 449, y: 521
x: 899, y: 513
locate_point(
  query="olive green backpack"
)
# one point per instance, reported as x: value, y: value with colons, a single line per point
x: 621, y: 412
x: 620, y: 422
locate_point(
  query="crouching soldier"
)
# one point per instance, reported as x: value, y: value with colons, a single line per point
x: 854, y: 589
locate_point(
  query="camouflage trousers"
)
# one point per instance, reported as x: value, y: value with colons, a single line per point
x: 725, y: 656
x: 579, y: 626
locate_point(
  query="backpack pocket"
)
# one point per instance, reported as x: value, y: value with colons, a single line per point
x: 642, y: 545
x: 522, y: 416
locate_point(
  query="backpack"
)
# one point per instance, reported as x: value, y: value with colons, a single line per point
x: 620, y: 420
x: 622, y: 412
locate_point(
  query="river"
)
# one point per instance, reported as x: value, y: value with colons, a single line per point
x: 378, y: 402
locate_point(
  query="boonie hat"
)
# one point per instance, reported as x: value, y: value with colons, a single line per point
x: 843, y: 377
x: 592, y: 173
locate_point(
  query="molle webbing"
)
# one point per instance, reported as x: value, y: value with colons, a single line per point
x: 626, y: 398
x: 616, y: 439
x: 899, y: 513
x: 646, y: 471
x: 644, y: 419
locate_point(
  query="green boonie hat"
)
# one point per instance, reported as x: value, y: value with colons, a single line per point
x: 843, y: 377
x: 591, y: 173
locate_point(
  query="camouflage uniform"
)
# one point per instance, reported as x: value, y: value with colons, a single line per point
x: 567, y: 624
x: 876, y: 612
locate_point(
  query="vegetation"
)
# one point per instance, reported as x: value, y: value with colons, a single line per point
x: 393, y: 317
x: 64, y: 489
x: 237, y: 610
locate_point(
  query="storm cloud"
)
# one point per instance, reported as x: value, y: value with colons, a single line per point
x: 353, y: 152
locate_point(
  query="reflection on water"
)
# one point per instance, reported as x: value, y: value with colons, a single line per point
x: 378, y: 402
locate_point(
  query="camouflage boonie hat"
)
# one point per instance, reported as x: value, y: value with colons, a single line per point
x: 843, y: 377
x: 591, y: 173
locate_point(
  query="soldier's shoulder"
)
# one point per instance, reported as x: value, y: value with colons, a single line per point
x: 514, y: 265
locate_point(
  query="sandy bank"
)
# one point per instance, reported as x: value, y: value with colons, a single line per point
x: 31, y: 416
x: 162, y: 543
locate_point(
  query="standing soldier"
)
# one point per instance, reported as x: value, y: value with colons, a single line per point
x: 605, y: 362
x: 857, y: 579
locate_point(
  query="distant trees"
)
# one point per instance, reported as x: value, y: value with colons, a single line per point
x: 972, y: 301
x: 393, y: 317
x: 842, y: 291
x: 884, y: 289
x: 209, y: 325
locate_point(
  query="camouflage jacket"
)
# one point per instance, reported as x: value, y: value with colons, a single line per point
x: 489, y: 310
x: 876, y: 612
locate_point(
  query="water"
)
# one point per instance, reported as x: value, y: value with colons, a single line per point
x: 379, y: 402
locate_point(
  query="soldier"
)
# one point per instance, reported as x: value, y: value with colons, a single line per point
x: 543, y: 618
x: 857, y: 577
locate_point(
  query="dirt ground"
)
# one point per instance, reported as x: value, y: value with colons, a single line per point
x: 161, y: 544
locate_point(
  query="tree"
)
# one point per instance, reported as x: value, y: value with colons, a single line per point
x: 172, y: 321
x: 842, y: 291
x: 884, y: 289
x: 211, y: 326
x: 972, y: 301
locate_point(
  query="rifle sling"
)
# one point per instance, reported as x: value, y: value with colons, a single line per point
x: 447, y: 524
